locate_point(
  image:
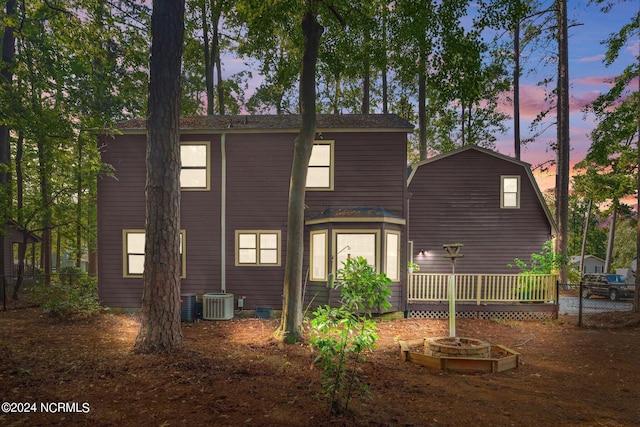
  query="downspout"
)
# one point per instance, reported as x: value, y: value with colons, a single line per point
x: 408, y: 256
x: 223, y: 214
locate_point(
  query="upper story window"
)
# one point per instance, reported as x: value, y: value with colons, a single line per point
x: 510, y: 192
x: 258, y: 248
x: 133, y: 242
x: 195, y: 173
x: 320, y: 172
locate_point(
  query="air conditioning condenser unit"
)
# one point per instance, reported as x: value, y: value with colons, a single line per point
x: 217, y: 306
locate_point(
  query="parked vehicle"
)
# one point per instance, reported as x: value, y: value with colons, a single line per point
x: 612, y: 286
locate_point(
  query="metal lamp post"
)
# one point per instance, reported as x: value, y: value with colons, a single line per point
x: 453, y: 252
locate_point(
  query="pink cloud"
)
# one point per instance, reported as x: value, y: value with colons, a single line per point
x: 580, y: 100
x: 595, y: 58
x: 595, y: 80
x: 532, y: 102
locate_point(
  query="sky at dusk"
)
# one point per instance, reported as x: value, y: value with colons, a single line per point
x: 588, y: 75
x: 588, y: 78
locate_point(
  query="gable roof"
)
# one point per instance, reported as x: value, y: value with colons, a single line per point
x: 10, y: 223
x: 576, y: 259
x: 524, y: 165
x: 279, y: 123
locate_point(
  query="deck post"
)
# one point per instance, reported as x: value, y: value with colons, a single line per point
x: 453, y: 252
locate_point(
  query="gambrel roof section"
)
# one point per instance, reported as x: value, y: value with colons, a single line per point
x: 525, y: 166
x: 289, y: 123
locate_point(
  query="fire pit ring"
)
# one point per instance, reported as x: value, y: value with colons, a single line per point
x: 456, y: 347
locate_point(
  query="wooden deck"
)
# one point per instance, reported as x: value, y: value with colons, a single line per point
x: 504, y: 296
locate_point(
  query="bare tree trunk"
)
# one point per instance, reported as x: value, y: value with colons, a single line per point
x: 79, y: 203
x: 366, y: 81
x: 291, y: 325
x: 584, y: 237
x: 6, y: 77
x: 385, y: 65
x: 610, y: 241
x: 208, y: 63
x: 422, y: 114
x: 47, y: 202
x: 563, y: 144
x: 516, y: 90
x: 160, y: 329
x: 462, y: 121
x: 22, y: 247
x: 218, y: 62
x: 636, y: 298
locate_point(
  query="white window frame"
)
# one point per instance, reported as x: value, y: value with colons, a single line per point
x: 389, y: 259
x: 206, y: 167
x: 504, y: 193
x: 258, y: 249
x: 330, y: 166
x: 318, y: 256
x: 126, y: 254
x: 340, y: 257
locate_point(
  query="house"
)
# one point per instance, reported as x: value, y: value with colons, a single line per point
x: 235, y: 183
x: 484, y: 200
x: 14, y: 234
x: 592, y: 264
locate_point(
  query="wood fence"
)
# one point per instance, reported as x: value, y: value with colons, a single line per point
x: 484, y: 288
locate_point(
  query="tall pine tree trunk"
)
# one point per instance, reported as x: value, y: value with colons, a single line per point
x: 6, y: 77
x: 562, y: 168
x: 422, y: 114
x: 160, y: 327
x: 636, y: 298
x: 291, y: 325
x: 44, y: 170
x: 516, y: 90
x: 208, y: 63
x: 611, y: 239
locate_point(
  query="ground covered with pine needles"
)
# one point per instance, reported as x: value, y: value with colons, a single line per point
x: 83, y: 372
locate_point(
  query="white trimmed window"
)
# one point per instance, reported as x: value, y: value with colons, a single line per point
x: 320, y: 171
x: 392, y: 255
x: 257, y: 247
x: 510, y: 192
x: 133, y: 242
x: 195, y: 173
x: 357, y: 243
x: 318, y: 256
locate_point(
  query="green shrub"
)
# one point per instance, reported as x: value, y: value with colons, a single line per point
x: 76, y: 297
x: 343, y: 334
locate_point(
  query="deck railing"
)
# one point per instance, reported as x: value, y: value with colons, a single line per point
x: 484, y: 288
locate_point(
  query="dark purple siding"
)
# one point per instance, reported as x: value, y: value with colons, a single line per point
x: 369, y: 170
x: 258, y: 171
x: 456, y: 199
x: 121, y: 205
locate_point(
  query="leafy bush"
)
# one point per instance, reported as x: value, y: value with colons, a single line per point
x: 70, y: 275
x: 342, y: 334
x: 545, y: 262
x: 76, y: 297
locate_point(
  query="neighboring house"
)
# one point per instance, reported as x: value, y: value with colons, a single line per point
x: 14, y: 235
x: 235, y: 180
x: 487, y: 201
x: 592, y: 264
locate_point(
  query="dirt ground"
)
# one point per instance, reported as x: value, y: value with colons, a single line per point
x: 233, y: 374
